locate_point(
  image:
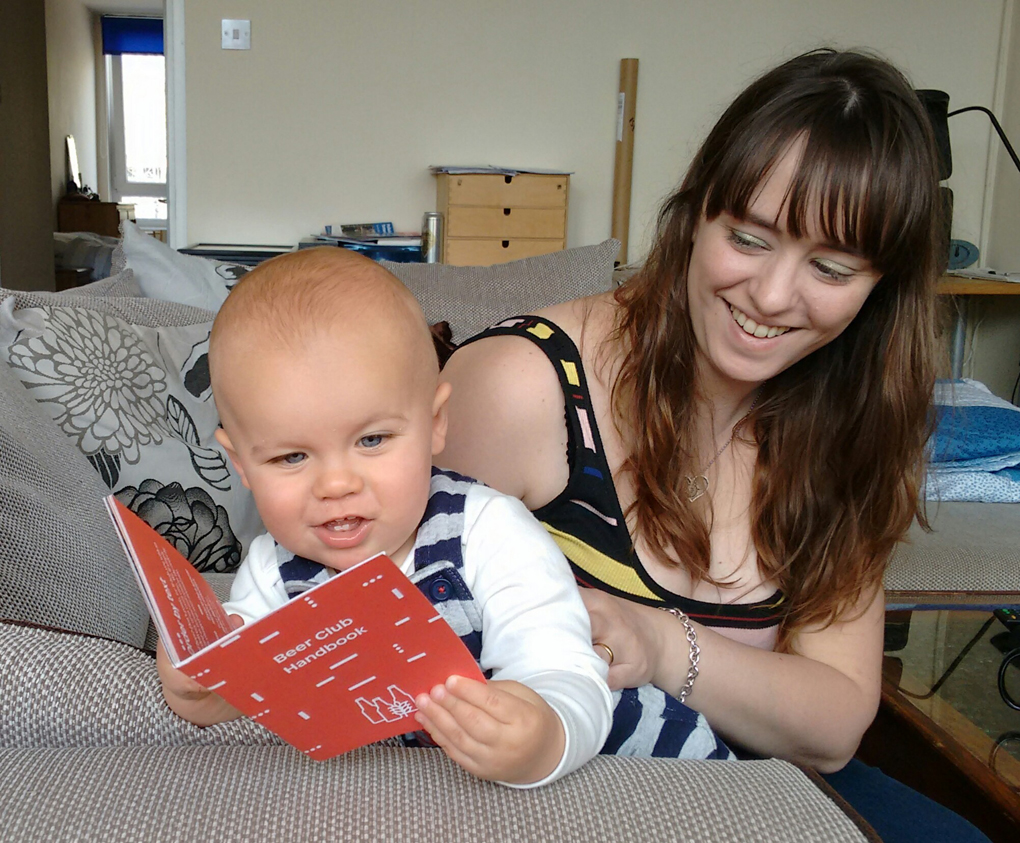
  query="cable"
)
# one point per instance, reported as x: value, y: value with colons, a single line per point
x: 1000, y: 742
x: 955, y: 664
x: 998, y: 128
x: 1012, y: 655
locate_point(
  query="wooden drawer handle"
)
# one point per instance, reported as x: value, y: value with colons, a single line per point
x: 506, y: 244
x: 506, y: 212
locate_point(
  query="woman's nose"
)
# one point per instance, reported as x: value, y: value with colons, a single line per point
x: 774, y: 289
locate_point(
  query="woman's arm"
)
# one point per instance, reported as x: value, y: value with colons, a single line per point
x: 506, y: 419
x: 811, y: 708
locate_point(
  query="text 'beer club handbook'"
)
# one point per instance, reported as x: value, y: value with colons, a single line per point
x: 336, y: 668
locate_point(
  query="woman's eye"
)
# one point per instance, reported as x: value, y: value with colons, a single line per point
x: 373, y: 440
x: 743, y: 240
x: 834, y: 271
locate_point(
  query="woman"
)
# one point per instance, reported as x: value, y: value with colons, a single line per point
x: 737, y: 433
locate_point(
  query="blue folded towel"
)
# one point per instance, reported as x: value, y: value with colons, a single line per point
x: 976, y: 445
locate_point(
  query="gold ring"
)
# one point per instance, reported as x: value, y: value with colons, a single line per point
x: 608, y: 649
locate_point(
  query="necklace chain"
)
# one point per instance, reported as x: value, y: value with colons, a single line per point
x: 697, y: 485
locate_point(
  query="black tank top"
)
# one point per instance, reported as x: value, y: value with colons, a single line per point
x: 586, y: 519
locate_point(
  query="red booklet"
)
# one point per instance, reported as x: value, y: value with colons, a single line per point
x: 334, y: 669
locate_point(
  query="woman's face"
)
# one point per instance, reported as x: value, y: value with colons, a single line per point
x: 762, y: 299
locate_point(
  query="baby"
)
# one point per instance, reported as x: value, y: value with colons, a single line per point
x: 326, y: 381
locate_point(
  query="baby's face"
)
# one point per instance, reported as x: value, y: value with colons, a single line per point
x: 335, y: 438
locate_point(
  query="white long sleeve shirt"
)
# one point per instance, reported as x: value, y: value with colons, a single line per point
x: 535, y: 629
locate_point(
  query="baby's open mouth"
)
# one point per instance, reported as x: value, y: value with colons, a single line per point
x: 344, y: 525
x: 753, y: 328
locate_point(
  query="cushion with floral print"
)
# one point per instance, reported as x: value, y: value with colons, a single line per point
x: 127, y: 380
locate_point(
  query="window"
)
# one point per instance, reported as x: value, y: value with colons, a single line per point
x: 136, y: 97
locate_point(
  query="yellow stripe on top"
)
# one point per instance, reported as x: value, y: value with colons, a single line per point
x: 570, y: 370
x: 541, y: 330
x: 602, y: 568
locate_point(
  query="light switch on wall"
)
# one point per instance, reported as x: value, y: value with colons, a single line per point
x: 236, y: 34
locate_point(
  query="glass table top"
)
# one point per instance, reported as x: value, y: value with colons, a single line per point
x: 949, y: 671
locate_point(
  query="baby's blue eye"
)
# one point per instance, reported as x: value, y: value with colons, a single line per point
x: 373, y: 440
x: 293, y: 459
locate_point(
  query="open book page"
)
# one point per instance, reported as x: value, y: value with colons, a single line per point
x: 183, y: 606
x: 333, y: 669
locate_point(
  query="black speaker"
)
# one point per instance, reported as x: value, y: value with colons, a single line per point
x: 936, y: 103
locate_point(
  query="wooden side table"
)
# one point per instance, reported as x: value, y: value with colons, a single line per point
x: 97, y: 217
x: 938, y: 735
x: 963, y: 288
x: 493, y: 218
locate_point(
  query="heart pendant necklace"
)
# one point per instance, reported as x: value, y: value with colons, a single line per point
x: 697, y: 485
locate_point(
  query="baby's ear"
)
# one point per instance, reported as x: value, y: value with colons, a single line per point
x: 439, y: 416
x: 224, y: 439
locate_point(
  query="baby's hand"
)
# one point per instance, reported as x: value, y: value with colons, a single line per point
x: 502, y: 731
x: 187, y: 698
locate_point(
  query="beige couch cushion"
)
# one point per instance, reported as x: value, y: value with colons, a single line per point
x: 971, y: 557
x: 386, y: 794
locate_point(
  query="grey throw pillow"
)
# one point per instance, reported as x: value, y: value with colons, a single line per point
x: 471, y: 298
x: 61, y: 563
x: 164, y: 273
x: 127, y: 381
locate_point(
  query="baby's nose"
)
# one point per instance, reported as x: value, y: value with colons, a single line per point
x: 337, y: 482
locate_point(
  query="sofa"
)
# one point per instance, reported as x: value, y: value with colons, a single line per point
x: 105, y: 388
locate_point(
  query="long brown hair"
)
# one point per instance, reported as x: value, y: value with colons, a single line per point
x: 841, y: 433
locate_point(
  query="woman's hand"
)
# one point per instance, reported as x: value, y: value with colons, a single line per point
x: 632, y: 633
x: 810, y: 706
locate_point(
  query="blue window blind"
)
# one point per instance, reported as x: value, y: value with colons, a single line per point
x: 132, y: 35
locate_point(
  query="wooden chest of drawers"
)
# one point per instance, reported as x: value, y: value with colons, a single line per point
x: 495, y: 218
x: 97, y: 217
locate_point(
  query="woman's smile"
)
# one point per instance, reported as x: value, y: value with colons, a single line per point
x: 761, y: 331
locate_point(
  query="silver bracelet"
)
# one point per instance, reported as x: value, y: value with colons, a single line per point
x: 695, y: 651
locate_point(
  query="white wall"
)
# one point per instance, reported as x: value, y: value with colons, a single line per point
x: 71, y: 76
x: 994, y: 349
x: 1004, y: 248
x: 339, y: 107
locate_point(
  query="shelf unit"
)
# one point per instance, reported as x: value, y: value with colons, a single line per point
x: 492, y: 218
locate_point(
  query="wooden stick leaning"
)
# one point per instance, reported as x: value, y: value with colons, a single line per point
x: 624, y: 166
